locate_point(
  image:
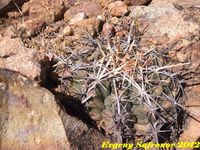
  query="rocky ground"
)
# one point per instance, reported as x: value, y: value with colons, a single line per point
x: 71, y: 71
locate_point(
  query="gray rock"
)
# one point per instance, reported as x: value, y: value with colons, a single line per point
x: 29, y: 115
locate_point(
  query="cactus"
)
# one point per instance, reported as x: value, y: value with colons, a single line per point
x: 123, y: 86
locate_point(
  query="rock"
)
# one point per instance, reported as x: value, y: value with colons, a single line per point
x: 189, y: 51
x: 118, y: 8
x: 121, y: 33
x: 195, y: 54
x: 7, y: 32
x: 7, y: 50
x: 115, y: 20
x: 184, y: 3
x: 54, y: 27
x: 137, y: 2
x: 14, y: 14
x: 91, y: 9
x: 29, y: 115
x: 23, y: 62
x: 108, y: 30
x: 6, y: 5
x: 38, y: 9
x: 32, y: 27
x: 103, y: 3
x: 164, y: 24
x: 122, y: 25
x: 15, y: 56
x: 67, y: 31
x: 91, y: 25
x: 190, y: 133
x: 182, y: 57
x: 50, y: 30
x: 77, y: 17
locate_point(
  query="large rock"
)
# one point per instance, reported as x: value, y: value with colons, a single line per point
x: 14, y: 56
x: 165, y: 24
x: 29, y: 116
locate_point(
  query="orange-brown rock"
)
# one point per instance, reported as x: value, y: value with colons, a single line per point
x: 90, y: 25
x: 78, y: 17
x: 189, y: 51
x: 46, y: 10
x: 91, y: 9
x: 67, y: 31
x: 118, y: 8
x: 14, y: 56
x: 108, y: 30
x: 32, y: 26
x: 7, y: 32
x: 103, y: 3
x: 14, y: 14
